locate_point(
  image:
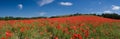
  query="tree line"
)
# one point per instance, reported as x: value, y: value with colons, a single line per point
x: 105, y: 15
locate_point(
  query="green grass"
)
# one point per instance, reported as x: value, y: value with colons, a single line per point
x: 34, y: 31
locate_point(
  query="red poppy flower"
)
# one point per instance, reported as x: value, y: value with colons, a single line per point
x: 77, y: 36
x: 58, y: 27
x: 56, y: 38
x: 8, y: 33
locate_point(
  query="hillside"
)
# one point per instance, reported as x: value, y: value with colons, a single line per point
x: 82, y: 27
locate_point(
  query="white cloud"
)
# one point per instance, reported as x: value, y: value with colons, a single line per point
x: 114, y: 7
x: 42, y: 13
x: 66, y: 3
x: 44, y: 2
x: 108, y: 11
x: 20, y: 6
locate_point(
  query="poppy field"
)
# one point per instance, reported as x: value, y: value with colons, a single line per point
x: 76, y: 27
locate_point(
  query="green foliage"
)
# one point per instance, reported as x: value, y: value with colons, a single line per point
x: 106, y: 15
x: 113, y: 15
x: 18, y: 18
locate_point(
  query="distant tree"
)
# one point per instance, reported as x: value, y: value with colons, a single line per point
x: 37, y: 17
x: 111, y: 15
x: 106, y: 15
x: 8, y: 18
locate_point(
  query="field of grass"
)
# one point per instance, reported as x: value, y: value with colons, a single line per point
x: 81, y: 27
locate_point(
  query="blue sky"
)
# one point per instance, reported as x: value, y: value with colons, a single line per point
x: 33, y: 8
